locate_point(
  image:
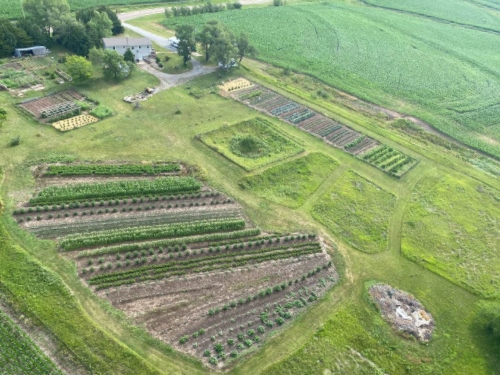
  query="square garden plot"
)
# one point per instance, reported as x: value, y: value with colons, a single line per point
x: 251, y: 144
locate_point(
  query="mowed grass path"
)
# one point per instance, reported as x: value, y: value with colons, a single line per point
x: 291, y: 183
x: 358, y: 211
x: 446, y: 74
x: 452, y: 226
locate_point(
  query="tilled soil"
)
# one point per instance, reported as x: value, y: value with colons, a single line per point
x: 173, y: 308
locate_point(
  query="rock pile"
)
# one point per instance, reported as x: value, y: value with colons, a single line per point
x: 403, y: 311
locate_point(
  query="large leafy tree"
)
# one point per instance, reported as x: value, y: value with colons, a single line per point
x: 79, y: 68
x: 34, y: 31
x: 244, y: 47
x: 187, y: 42
x: 101, y: 24
x: 206, y: 37
x: 115, y: 67
x: 72, y: 35
x: 46, y: 13
x: 225, y: 48
x: 86, y: 15
x: 11, y: 37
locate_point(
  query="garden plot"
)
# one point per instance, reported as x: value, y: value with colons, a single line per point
x: 234, y: 85
x: 331, y: 131
x: 66, y: 110
x: 251, y: 144
x: 74, y: 122
x: 23, y: 74
x: 47, y: 106
x: 180, y: 258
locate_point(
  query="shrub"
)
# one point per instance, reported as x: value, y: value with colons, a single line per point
x: 261, y: 329
x: 234, y: 354
x: 218, y: 347
x: 206, y: 353
x: 15, y: 141
x: 250, y: 332
x: 213, y: 361
x: 183, y: 339
x: 101, y: 112
x: 230, y: 342
x: 248, y: 343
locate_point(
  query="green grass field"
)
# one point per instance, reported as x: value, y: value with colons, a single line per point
x: 358, y: 211
x: 343, y: 328
x: 452, y: 227
x: 460, y: 12
x: 446, y: 74
x: 291, y: 183
x: 251, y: 144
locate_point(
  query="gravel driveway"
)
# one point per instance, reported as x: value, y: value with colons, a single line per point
x: 167, y: 80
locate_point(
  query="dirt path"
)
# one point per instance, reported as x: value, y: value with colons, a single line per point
x: 166, y: 80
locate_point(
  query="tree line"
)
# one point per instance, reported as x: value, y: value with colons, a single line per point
x: 50, y: 21
x: 217, y: 42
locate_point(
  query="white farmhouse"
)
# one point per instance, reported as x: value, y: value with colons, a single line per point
x: 140, y: 47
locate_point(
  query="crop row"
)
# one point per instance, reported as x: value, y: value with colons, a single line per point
x: 170, y: 242
x: 117, y: 202
x: 110, y: 169
x: 180, y: 250
x: 149, y: 232
x: 129, y: 209
x: 18, y: 354
x: 115, y: 189
x: 201, y: 265
x: 268, y: 291
x: 263, y: 239
x: 242, y: 252
x: 51, y: 229
x: 290, y: 106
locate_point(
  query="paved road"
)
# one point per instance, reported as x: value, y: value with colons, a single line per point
x: 167, y: 80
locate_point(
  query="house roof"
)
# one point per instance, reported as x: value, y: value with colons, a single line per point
x: 128, y: 42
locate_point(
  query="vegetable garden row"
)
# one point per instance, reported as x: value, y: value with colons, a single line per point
x: 331, y: 131
x: 131, y: 234
x: 119, y: 189
x: 110, y: 169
